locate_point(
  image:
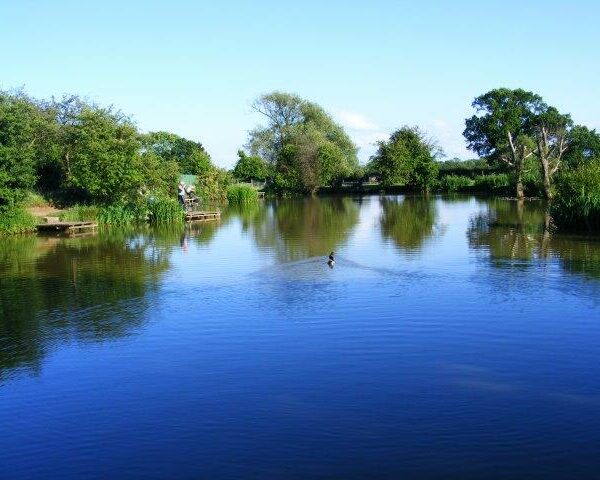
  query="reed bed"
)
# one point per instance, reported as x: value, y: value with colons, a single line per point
x: 165, y: 210
x: 576, y: 205
x: 242, y: 195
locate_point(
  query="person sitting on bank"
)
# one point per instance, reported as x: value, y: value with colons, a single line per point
x: 190, y: 191
x: 181, y: 193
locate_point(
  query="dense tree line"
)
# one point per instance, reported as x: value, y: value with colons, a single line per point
x: 76, y: 151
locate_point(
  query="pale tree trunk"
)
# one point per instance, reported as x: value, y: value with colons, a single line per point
x: 517, y: 162
x: 520, y: 187
x: 543, y: 153
x: 550, y: 155
x: 547, y: 180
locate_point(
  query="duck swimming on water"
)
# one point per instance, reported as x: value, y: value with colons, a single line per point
x: 331, y: 261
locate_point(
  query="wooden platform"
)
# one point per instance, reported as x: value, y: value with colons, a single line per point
x: 202, y: 216
x: 67, y: 227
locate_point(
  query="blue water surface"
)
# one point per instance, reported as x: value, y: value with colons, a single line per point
x: 455, y: 338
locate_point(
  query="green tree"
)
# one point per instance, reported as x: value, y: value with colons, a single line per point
x: 551, y: 129
x: 309, y: 161
x: 584, y: 145
x: 191, y: 156
x: 407, y: 158
x: 103, y: 156
x: 211, y: 185
x: 306, y: 148
x: 18, y: 138
x: 157, y: 175
x: 250, y: 167
x: 501, y: 130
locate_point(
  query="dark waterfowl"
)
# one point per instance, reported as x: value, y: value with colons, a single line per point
x: 331, y: 261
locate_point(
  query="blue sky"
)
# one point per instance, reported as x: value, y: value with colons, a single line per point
x: 194, y: 67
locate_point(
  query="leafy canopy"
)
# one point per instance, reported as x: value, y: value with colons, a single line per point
x: 189, y: 155
x: 250, y: 167
x: 18, y: 137
x: 302, y: 142
x: 501, y: 129
x: 407, y: 158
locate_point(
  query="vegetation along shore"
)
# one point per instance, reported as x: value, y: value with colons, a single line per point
x: 90, y: 162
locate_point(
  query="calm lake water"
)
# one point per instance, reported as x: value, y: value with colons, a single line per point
x: 453, y: 339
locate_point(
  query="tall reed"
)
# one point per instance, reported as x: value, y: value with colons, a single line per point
x: 242, y: 195
x: 576, y: 204
x: 165, y: 210
x: 120, y: 214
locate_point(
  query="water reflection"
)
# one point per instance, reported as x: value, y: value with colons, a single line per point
x: 522, y: 231
x: 302, y: 228
x: 56, y: 289
x: 408, y: 221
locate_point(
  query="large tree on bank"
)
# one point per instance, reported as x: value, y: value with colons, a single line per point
x: 514, y: 125
x: 304, y: 146
x: 551, y: 131
x: 407, y: 158
x: 501, y: 129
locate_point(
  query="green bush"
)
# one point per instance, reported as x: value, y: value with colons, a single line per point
x: 242, y: 195
x: 165, y: 210
x: 576, y: 205
x: 16, y: 220
x: 211, y: 186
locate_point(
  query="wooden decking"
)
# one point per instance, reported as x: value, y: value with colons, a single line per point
x: 202, y: 216
x: 67, y: 227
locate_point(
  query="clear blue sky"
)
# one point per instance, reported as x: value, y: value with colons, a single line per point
x: 194, y: 67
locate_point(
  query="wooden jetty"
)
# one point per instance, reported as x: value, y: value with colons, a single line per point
x: 67, y: 227
x: 202, y: 216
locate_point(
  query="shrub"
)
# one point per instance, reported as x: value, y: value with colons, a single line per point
x: 577, y: 198
x: 242, y: 195
x: 16, y: 220
x: 211, y: 186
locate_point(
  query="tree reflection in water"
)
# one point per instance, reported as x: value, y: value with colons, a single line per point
x: 296, y: 229
x: 511, y: 230
x: 84, y: 289
x: 408, y: 221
